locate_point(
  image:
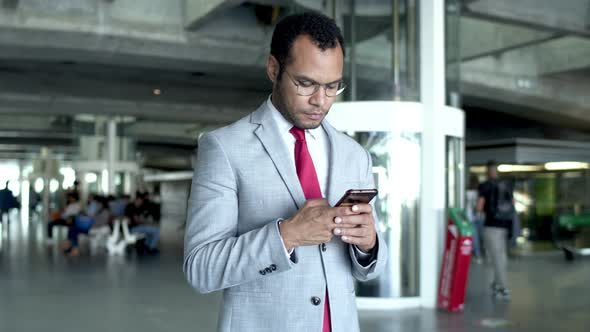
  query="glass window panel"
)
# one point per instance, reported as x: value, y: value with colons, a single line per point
x: 382, y: 50
x: 396, y: 167
x: 454, y: 168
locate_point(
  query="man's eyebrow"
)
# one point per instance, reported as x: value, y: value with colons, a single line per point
x: 305, y: 78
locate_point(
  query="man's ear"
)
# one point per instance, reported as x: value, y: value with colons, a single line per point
x: 272, y: 68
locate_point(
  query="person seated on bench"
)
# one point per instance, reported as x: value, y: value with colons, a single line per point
x: 66, y: 218
x: 84, y: 222
x: 144, y: 220
x: 118, y: 205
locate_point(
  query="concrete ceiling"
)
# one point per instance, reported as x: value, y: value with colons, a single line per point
x: 88, y: 57
x: 530, y: 58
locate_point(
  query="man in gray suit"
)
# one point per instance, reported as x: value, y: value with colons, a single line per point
x: 261, y: 222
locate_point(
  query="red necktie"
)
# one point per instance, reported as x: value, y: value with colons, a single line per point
x: 311, y: 189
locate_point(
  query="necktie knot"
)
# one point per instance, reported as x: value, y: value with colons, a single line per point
x: 298, y: 133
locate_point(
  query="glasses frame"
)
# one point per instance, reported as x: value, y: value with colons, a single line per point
x: 317, y: 86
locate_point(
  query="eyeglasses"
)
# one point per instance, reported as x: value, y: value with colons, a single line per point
x: 308, y: 88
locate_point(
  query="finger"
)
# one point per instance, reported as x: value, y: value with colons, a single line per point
x: 344, y: 211
x: 339, y: 222
x: 358, y: 241
x: 354, y: 209
x: 354, y: 232
x: 359, y: 219
x: 362, y: 208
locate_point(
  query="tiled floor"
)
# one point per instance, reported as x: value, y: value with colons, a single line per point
x: 41, y: 290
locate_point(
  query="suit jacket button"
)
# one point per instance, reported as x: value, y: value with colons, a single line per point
x: 316, y: 300
x: 268, y: 270
x: 273, y: 267
x: 262, y: 272
x: 324, y: 247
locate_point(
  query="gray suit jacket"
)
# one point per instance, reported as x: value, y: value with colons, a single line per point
x: 244, y: 182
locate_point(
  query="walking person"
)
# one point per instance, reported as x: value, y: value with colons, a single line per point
x: 7, y: 201
x: 497, y: 202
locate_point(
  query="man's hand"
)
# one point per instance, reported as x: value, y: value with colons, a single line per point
x: 357, y: 226
x: 481, y: 202
x: 313, y: 224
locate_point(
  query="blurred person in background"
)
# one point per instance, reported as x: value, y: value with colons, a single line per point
x: 34, y: 201
x: 84, y: 222
x: 66, y: 218
x: 143, y: 220
x: 75, y: 189
x: 118, y: 205
x: 496, y: 200
x: 7, y: 202
x: 92, y: 205
x: 476, y: 218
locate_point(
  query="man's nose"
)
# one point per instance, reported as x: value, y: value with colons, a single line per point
x: 319, y: 98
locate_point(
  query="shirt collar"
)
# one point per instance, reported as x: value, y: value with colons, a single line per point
x: 285, y: 125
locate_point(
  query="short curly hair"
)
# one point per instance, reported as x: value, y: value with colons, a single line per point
x: 322, y: 30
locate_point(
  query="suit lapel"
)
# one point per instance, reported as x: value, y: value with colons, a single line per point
x: 333, y: 162
x: 270, y: 137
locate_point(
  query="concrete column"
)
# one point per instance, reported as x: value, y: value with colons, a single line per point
x: 111, y: 154
x: 432, y: 92
x: 45, y: 154
x: 130, y: 182
x: 24, y: 193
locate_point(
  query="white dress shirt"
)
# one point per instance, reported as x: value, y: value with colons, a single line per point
x: 319, y: 149
x: 317, y: 144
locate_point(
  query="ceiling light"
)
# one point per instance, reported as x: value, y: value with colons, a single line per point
x: 566, y: 165
x: 524, y: 83
x: 477, y: 169
x: 505, y: 168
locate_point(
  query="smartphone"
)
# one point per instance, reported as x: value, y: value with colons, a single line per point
x: 355, y: 196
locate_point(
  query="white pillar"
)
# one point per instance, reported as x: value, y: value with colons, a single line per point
x: 111, y: 154
x: 432, y: 92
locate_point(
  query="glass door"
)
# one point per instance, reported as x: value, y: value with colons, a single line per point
x: 391, y: 132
